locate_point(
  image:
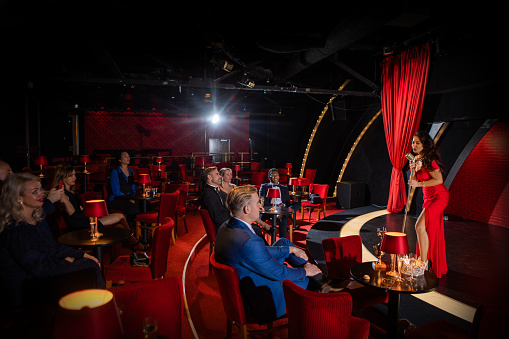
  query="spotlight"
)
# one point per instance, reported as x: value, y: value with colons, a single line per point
x: 227, y: 66
x: 215, y: 118
x: 245, y: 81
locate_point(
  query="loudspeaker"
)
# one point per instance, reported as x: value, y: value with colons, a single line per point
x: 350, y: 194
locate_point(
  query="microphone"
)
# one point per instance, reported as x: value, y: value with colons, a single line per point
x: 410, y: 157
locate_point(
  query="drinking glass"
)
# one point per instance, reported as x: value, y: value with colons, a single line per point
x: 150, y: 327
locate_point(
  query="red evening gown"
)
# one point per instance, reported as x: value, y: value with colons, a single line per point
x: 436, y: 199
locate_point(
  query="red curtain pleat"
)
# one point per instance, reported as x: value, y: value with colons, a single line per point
x: 404, y: 78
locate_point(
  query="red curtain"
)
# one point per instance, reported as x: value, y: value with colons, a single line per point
x: 404, y: 78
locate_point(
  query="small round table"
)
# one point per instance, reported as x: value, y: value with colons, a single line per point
x: 282, y: 211
x: 378, y: 279
x: 82, y: 239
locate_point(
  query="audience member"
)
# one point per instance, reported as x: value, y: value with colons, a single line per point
x: 5, y: 170
x: 284, y: 201
x: 122, y: 188
x: 226, y: 180
x: 28, y: 251
x: 261, y: 268
x: 74, y: 215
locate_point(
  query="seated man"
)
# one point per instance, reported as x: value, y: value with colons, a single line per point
x: 284, y: 201
x: 261, y: 268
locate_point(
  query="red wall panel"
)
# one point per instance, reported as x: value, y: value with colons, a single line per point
x: 480, y: 190
x: 184, y: 135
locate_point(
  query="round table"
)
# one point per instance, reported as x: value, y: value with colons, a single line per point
x: 282, y: 211
x: 378, y: 279
x: 82, y: 239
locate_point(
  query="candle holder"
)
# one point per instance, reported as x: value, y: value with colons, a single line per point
x: 379, y: 265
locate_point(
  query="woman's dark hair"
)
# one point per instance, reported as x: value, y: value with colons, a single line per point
x: 429, y: 152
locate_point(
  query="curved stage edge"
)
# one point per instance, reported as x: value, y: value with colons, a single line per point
x: 470, y: 281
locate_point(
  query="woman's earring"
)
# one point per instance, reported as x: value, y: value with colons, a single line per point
x: 21, y: 202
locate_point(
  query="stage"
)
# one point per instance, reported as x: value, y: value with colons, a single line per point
x: 476, y: 257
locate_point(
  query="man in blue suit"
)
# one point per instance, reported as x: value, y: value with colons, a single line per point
x: 261, y: 268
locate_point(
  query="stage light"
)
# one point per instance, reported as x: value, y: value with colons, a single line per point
x: 215, y: 118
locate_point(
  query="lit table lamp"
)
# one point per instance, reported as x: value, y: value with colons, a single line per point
x: 394, y: 243
x: 41, y: 161
x: 93, y: 210
x: 84, y: 159
x: 289, y: 167
x: 273, y: 193
x: 143, y: 179
x: 87, y: 314
x: 159, y: 160
x: 236, y: 168
x: 293, y: 181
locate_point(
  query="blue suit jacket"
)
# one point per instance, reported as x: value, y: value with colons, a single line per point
x: 260, y: 268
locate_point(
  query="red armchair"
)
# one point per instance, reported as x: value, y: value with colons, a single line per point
x: 181, y: 203
x: 341, y: 254
x: 121, y: 269
x: 210, y: 229
x: 150, y: 220
x: 322, y: 191
x: 233, y: 305
x: 162, y: 299
x: 321, y: 315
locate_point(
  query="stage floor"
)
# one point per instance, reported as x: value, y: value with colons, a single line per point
x: 477, y: 253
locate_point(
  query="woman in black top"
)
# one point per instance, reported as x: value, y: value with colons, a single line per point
x: 30, y: 258
x: 74, y: 211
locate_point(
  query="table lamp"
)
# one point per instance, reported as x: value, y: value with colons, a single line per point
x: 85, y: 158
x: 273, y: 193
x: 143, y: 179
x: 293, y: 181
x: 93, y: 210
x: 159, y: 160
x: 236, y: 168
x: 87, y: 314
x: 394, y: 243
x: 303, y: 182
x: 289, y: 167
x: 41, y: 161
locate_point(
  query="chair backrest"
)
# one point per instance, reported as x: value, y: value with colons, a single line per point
x: 210, y: 227
x: 160, y: 246
x: 168, y: 205
x: 322, y: 191
x: 489, y: 322
x: 257, y: 178
x: 91, y: 195
x: 183, y: 172
x: 317, y: 315
x: 228, y: 281
x: 256, y: 166
x: 310, y: 174
x: 183, y: 188
x: 341, y: 254
x: 162, y: 299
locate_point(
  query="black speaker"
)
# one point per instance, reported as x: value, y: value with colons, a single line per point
x: 350, y: 194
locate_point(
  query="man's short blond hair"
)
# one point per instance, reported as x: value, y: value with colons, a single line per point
x: 240, y: 197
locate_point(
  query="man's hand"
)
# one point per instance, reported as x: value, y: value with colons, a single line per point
x: 298, y: 252
x: 311, y: 270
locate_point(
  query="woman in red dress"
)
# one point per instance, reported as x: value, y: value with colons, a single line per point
x: 427, y: 173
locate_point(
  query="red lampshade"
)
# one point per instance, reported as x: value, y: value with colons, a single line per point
x: 85, y: 158
x: 288, y: 165
x: 41, y: 160
x: 95, y: 208
x: 293, y: 181
x: 159, y: 159
x: 87, y: 314
x: 395, y: 243
x: 273, y: 193
x: 236, y: 167
x: 143, y: 178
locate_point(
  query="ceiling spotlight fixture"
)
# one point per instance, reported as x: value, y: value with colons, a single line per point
x: 245, y: 81
x: 228, y: 67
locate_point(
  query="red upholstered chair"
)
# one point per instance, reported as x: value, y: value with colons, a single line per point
x: 162, y: 299
x: 180, y: 213
x: 257, y: 179
x: 210, y: 229
x: 160, y: 176
x: 341, y: 254
x: 322, y: 191
x: 187, y: 179
x: 150, y: 220
x: 233, y: 304
x: 321, y: 315
x: 310, y: 174
x: 256, y: 166
x: 489, y: 322
x: 121, y: 269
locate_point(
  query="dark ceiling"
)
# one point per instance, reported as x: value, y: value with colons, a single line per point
x: 168, y: 56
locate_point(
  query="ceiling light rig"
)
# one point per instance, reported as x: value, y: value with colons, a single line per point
x: 245, y: 81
